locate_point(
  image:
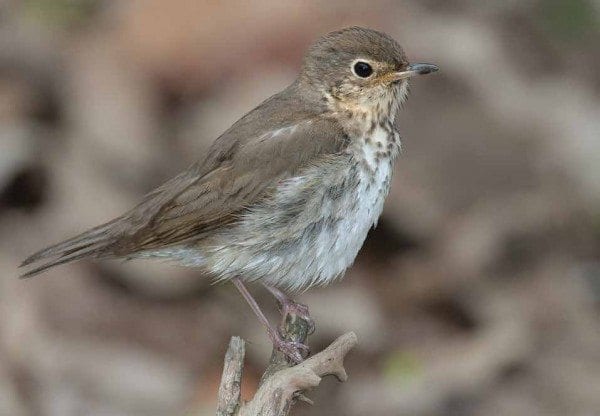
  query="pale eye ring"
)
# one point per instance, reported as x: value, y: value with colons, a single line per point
x: 362, y: 69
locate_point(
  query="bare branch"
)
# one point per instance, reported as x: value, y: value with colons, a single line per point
x: 279, y: 391
x: 293, y: 328
x: 230, y: 388
x: 282, y: 384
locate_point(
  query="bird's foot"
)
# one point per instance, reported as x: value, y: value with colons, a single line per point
x: 295, y: 351
x: 288, y: 306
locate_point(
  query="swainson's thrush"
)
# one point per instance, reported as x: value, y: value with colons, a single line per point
x: 286, y: 195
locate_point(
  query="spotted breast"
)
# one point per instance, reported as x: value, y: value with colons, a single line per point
x: 315, y: 223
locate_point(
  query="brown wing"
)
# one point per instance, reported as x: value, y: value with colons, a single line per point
x: 200, y: 200
x: 267, y: 145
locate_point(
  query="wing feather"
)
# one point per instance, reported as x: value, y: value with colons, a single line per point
x: 250, y: 174
x: 245, y: 163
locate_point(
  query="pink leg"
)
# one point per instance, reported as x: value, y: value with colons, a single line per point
x: 288, y: 305
x: 289, y: 348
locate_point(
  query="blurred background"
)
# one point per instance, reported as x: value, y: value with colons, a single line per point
x: 477, y: 294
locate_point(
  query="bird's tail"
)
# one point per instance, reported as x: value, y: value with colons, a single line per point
x: 92, y: 243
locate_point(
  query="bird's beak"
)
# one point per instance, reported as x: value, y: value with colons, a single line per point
x: 415, y: 69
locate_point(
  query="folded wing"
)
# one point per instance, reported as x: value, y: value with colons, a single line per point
x: 244, y: 165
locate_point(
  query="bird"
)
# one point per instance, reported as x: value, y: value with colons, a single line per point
x: 286, y: 196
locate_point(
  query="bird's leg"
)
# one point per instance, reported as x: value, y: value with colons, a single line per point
x: 294, y: 350
x: 288, y: 305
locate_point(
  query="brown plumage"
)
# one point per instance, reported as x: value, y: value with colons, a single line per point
x: 287, y: 194
x: 241, y: 167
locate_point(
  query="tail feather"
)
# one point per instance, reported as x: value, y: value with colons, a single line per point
x: 92, y: 243
x: 56, y: 262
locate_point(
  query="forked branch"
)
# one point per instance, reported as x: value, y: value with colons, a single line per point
x: 282, y: 384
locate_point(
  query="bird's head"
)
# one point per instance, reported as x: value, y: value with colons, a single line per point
x: 360, y: 68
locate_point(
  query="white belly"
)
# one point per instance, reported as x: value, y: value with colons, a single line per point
x: 318, y: 245
x: 364, y: 206
x: 308, y: 233
x: 340, y: 246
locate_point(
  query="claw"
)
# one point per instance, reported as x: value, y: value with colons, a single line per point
x: 291, y: 349
x: 295, y: 351
x: 288, y: 306
x: 291, y: 307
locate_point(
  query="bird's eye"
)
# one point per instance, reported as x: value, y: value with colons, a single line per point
x: 363, y: 69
